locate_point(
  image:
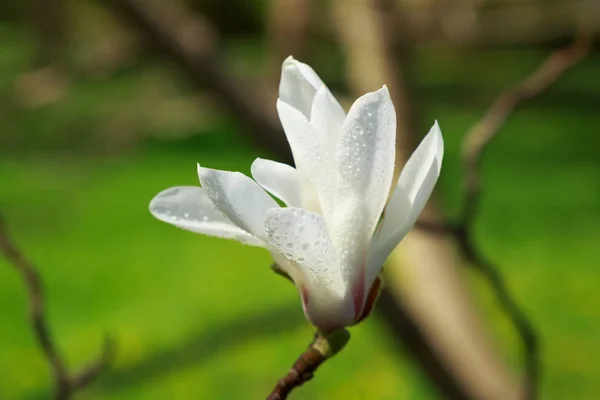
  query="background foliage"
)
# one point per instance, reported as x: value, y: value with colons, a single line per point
x: 197, y: 317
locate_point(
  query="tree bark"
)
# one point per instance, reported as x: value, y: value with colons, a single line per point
x: 48, y: 19
x: 287, y: 30
x: 423, y: 274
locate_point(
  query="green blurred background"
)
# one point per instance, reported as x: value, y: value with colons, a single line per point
x: 91, y: 131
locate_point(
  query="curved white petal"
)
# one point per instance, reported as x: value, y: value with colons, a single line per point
x: 415, y: 185
x: 281, y: 180
x: 327, y: 116
x: 298, y: 85
x: 189, y: 208
x: 303, y: 239
x: 241, y: 199
x: 365, y: 161
x: 309, y: 149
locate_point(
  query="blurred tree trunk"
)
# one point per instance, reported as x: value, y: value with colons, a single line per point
x: 48, y: 19
x: 287, y: 29
x: 205, y: 71
x: 46, y: 81
x: 424, y: 274
x: 484, y: 23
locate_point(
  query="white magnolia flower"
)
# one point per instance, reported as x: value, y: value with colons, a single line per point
x: 338, y: 227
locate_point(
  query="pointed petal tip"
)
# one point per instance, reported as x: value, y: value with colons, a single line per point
x: 438, y: 133
x: 438, y: 141
x: 289, y: 60
x: 435, y: 134
x: 383, y: 93
x: 200, y: 170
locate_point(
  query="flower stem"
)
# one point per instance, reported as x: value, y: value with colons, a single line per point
x: 321, y: 348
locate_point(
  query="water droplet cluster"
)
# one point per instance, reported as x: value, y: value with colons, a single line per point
x: 302, y: 237
x: 190, y: 208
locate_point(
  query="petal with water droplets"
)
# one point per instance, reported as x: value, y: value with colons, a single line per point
x: 189, y: 208
x: 414, y: 188
x: 241, y: 199
x: 302, y: 237
x: 298, y: 85
x: 281, y: 180
x: 328, y: 118
x: 365, y: 162
x: 309, y: 149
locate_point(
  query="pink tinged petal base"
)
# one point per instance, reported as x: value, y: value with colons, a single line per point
x: 358, y: 293
x: 302, y: 238
x: 370, y: 300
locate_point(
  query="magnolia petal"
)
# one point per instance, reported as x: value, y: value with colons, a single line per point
x: 309, y: 150
x: 414, y: 188
x: 298, y: 85
x: 281, y: 180
x: 189, y: 208
x: 327, y: 116
x: 302, y: 237
x: 416, y: 177
x: 237, y: 196
x: 365, y: 162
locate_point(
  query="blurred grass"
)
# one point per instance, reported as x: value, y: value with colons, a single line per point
x: 197, y: 317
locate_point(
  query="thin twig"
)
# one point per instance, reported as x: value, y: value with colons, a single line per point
x: 320, y: 349
x: 485, y: 130
x: 65, y: 385
x: 204, y: 70
x: 302, y: 371
x: 475, y: 143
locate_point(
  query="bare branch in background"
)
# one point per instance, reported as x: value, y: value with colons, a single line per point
x: 204, y: 70
x: 423, y: 277
x: 48, y: 20
x: 65, y: 384
x: 320, y: 350
x: 484, y: 23
x: 475, y: 143
x: 483, y: 132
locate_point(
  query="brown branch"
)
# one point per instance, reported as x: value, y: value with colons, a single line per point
x: 302, y: 371
x: 65, y: 385
x: 378, y: 50
x: 321, y: 348
x: 483, y: 132
x: 475, y: 143
x: 287, y: 26
x: 205, y: 71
